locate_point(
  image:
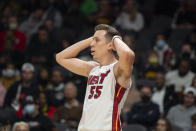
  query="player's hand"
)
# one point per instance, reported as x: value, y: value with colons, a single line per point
x: 113, y: 39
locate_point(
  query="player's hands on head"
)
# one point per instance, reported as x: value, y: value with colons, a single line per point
x: 115, y: 37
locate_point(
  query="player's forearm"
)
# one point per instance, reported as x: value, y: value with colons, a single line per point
x: 74, y: 50
x: 123, y: 51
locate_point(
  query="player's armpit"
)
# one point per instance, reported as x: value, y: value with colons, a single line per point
x: 77, y: 66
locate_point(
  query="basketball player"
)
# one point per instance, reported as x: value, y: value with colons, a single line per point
x: 108, y: 78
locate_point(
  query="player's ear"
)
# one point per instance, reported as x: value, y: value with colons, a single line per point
x: 110, y: 46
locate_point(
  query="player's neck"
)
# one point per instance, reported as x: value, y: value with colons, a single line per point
x: 107, y: 60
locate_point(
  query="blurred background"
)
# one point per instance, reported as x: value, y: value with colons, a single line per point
x: 36, y: 94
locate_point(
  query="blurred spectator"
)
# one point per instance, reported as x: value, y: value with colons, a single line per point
x: 181, y: 77
x: 104, y: 14
x: 36, y: 120
x: 145, y: 112
x: 19, y: 90
x: 163, y: 50
x: 2, y: 94
x: 130, y: 19
x: 152, y: 66
x: 53, y: 32
x: 163, y: 95
x: 163, y: 125
x: 32, y: 24
x: 55, y: 91
x: 44, y: 107
x: 6, y: 12
x: 74, y: 17
x: 9, y: 75
x: 13, y: 33
x: 43, y: 79
x: 187, y: 52
x: 180, y: 115
x: 50, y: 12
x: 193, y: 123
x: 71, y: 111
x: 194, y: 82
x: 41, y: 47
x: 20, y: 126
x: 185, y: 16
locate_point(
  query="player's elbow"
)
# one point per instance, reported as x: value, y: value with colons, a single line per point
x: 129, y: 55
x: 58, y: 58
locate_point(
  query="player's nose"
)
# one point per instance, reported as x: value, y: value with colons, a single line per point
x: 92, y: 43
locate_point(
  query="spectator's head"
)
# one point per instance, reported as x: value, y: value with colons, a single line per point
x: 104, y: 5
x: 43, y: 77
x: 184, y: 67
x: 193, y: 122
x: 160, y: 41
x: 13, y: 23
x: 194, y: 82
x: 186, y: 51
x: 159, y: 80
x: 153, y: 58
x: 129, y: 6
x: 146, y: 94
x: 57, y: 77
x: 163, y: 125
x: 70, y: 91
x: 37, y: 14
x: 49, y: 24
x: 27, y: 72
x: 189, y: 97
x: 31, y: 107
x: 43, y: 34
x: 10, y: 71
x: 7, y: 11
x: 42, y: 100
x: 20, y: 126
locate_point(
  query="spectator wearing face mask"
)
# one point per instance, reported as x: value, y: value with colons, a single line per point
x: 144, y: 112
x: 19, y: 37
x: 36, y: 120
x: 9, y: 75
x: 165, y: 54
x: 152, y: 65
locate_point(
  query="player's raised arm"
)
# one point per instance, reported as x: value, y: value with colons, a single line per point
x: 66, y: 58
x: 123, y: 68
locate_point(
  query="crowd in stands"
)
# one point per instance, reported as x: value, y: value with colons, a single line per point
x: 36, y: 94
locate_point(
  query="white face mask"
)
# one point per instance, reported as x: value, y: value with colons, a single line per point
x: 29, y: 109
x: 160, y: 44
x: 8, y: 73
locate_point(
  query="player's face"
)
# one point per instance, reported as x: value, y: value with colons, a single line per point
x: 99, y: 45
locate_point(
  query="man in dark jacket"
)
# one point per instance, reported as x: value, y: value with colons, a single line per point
x: 144, y: 112
x: 164, y: 96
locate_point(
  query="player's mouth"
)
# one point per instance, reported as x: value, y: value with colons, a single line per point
x: 92, y: 52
